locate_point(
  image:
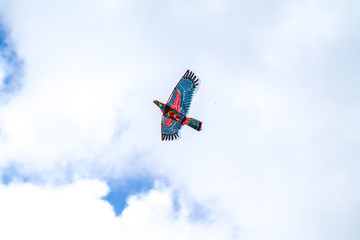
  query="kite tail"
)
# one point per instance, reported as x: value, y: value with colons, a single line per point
x: 195, y: 124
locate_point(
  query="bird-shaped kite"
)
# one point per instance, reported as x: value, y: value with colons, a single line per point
x: 177, y: 106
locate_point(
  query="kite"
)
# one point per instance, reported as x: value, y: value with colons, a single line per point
x: 177, y: 107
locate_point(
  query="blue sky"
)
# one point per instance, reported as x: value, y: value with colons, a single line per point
x: 81, y: 154
x: 120, y: 190
x: 11, y: 64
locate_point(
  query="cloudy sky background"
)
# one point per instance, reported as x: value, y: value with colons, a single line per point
x: 81, y: 155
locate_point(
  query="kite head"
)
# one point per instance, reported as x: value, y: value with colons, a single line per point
x: 159, y: 104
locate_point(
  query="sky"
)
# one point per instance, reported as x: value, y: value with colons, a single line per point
x: 81, y: 155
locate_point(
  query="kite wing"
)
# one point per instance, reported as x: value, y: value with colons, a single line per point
x: 180, y: 98
x: 170, y: 130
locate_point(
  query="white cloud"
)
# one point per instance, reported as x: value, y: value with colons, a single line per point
x: 77, y: 211
x: 74, y: 81
x: 2, y: 72
x: 42, y: 212
x: 306, y: 28
x: 277, y: 157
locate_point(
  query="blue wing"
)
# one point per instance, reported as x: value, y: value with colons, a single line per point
x: 170, y: 130
x: 180, y: 99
